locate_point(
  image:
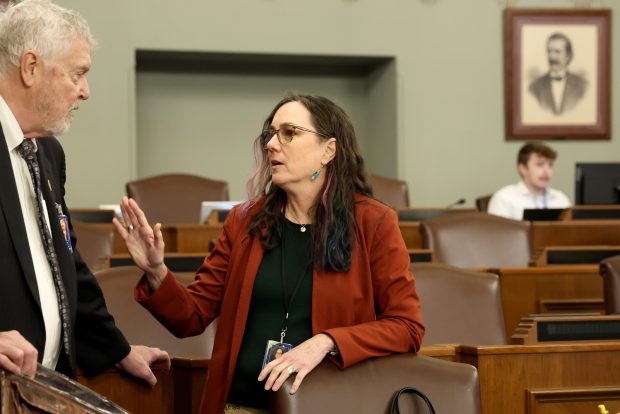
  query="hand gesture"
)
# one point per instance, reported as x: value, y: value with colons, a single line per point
x: 145, y: 244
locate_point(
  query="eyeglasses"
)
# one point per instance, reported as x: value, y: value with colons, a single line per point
x: 285, y: 134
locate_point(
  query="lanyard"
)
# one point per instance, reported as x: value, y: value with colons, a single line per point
x: 288, y: 303
x: 544, y: 200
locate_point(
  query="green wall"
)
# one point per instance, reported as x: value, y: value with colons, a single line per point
x: 448, y: 75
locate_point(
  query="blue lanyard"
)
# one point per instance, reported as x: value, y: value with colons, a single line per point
x: 544, y: 200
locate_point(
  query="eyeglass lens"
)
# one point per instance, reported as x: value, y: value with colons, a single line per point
x: 285, y: 134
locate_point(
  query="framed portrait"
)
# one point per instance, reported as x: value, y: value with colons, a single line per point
x: 557, y: 74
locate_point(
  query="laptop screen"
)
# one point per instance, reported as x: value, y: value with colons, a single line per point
x: 543, y: 214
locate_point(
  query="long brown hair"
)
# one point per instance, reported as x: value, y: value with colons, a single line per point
x: 333, y: 211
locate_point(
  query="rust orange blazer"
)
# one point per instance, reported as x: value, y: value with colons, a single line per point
x: 371, y: 310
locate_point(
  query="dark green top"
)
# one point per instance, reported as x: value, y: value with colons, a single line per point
x: 266, y: 313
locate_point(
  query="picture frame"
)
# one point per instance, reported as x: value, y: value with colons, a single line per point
x: 557, y: 69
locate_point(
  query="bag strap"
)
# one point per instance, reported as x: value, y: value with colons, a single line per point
x: 410, y: 390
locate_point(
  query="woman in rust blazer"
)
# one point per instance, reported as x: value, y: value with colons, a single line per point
x: 311, y: 262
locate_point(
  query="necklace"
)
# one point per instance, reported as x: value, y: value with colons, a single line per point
x: 303, y: 226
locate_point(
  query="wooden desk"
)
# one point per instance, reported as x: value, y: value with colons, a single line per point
x: 421, y: 214
x: 176, y: 262
x: 574, y: 255
x: 446, y: 352
x: 411, y: 234
x: 192, y: 238
x: 187, y: 238
x: 552, y: 289
x: 177, y: 391
x: 575, y: 233
x: 595, y: 211
x: 544, y: 233
x: 190, y: 376
x: 546, y: 379
x: 132, y: 394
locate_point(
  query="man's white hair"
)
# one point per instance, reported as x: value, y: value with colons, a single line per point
x: 40, y: 26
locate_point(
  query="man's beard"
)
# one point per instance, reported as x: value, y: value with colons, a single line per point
x: 56, y: 126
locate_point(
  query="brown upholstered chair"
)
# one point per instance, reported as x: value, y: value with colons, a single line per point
x: 368, y: 387
x: 95, y: 242
x: 176, y: 198
x: 390, y: 191
x: 610, y: 270
x: 478, y: 240
x: 459, y: 306
x: 138, y: 325
x: 482, y: 203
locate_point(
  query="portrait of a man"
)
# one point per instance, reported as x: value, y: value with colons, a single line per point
x: 557, y: 73
x: 559, y: 90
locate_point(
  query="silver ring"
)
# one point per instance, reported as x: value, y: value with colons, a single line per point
x: 291, y: 370
x: 130, y: 227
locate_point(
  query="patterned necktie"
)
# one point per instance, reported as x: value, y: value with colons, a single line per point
x: 27, y: 150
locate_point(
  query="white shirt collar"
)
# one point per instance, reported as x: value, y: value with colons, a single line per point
x: 523, y: 190
x: 12, y: 131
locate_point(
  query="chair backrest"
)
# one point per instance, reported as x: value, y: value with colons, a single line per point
x: 390, y: 191
x: 368, y: 387
x: 482, y: 203
x: 138, y: 325
x: 95, y: 242
x: 478, y: 240
x: 610, y: 270
x: 175, y: 198
x: 459, y: 306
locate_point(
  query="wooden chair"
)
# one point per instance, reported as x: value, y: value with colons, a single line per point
x: 175, y: 198
x: 390, y: 191
x: 368, y: 387
x: 95, y: 242
x: 482, y: 203
x: 478, y: 240
x: 610, y: 271
x: 459, y: 306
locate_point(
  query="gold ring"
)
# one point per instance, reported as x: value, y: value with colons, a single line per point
x: 291, y: 370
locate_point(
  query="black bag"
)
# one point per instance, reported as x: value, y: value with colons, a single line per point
x: 409, y: 390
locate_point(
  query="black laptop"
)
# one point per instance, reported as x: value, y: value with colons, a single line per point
x: 543, y: 214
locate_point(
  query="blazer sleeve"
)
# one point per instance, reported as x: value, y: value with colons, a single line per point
x: 99, y: 343
x: 188, y: 311
x: 397, y: 326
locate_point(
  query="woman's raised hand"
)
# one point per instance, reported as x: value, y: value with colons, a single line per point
x: 144, y: 243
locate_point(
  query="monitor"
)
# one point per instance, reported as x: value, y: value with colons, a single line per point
x: 208, y: 206
x: 597, y: 183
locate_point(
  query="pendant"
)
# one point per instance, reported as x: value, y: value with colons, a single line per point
x: 303, y: 228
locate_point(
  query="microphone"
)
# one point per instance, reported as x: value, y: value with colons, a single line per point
x: 458, y: 202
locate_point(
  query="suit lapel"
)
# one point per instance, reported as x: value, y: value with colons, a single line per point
x: 11, y: 209
x: 568, y: 91
x: 65, y: 259
x: 548, y: 94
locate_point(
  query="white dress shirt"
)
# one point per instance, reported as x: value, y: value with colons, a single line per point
x: 510, y: 201
x: 45, y: 280
x: 557, y: 91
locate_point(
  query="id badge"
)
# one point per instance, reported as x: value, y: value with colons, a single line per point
x: 64, y: 226
x: 275, y: 350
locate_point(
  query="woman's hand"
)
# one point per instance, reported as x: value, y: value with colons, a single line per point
x: 145, y: 244
x: 301, y: 360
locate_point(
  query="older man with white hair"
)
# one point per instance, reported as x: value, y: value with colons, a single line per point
x: 52, y: 310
